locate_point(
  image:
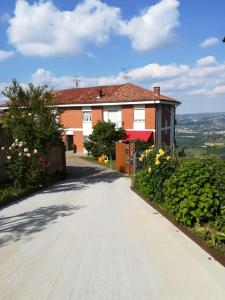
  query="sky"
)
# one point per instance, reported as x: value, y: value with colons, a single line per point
x: 174, y: 44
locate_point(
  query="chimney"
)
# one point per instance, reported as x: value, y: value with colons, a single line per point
x: 100, y: 94
x: 156, y: 90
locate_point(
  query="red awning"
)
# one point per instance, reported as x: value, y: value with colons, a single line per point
x: 132, y: 135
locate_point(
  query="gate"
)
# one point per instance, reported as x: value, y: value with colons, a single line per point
x: 124, y: 157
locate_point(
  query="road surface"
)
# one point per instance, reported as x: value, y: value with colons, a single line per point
x: 91, y: 238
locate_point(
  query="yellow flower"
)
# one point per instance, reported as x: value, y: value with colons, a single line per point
x: 140, y: 158
x: 168, y: 158
x: 157, y: 156
x: 157, y: 162
x: 149, y: 169
x: 153, y: 146
x: 161, y: 152
x: 148, y: 151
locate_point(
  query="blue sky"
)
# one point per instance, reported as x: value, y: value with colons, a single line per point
x: 171, y: 43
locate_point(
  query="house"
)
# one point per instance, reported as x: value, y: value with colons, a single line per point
x: 144, y: 114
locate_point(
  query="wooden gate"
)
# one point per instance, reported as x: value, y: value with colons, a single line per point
x: 124, y: 157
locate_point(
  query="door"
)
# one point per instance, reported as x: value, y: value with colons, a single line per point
x: 69, y: 142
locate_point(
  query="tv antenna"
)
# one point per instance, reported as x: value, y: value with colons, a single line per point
x: 125, y: 71
x: 77, y: 81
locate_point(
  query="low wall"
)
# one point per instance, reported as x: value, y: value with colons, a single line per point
x: 55, y: 157
x: 56, y: 160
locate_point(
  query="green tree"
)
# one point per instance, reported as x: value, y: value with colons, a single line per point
x: 32, y: 117
x: 103, y: 139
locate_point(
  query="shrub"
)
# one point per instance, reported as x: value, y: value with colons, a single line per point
x: 195, y: 193
x: 103, y: 139
x: 157, y: 166
x: 26, y: 167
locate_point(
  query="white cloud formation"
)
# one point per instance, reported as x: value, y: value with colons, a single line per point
x: 5, y: 54
x: 155, y: 27
x: 205, y: 79
x: 42, y: 29
x: 212, y: 41
x: 206, y: 61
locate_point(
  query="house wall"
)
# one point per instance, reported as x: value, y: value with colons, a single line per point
x: 78, y: 140
x: 97, y: 115
x: 150, y: 117
x: 159, y: 119
x: 127, y: 116
x: 71, y: 117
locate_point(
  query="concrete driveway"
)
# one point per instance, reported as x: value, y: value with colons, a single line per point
x: 93, y: 238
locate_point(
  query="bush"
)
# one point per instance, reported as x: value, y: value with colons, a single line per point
x: 103, y: 139
x: 26, y: 167
x: 195, y: 194
x: 157, y: 166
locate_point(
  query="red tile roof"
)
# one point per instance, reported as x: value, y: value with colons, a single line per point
x: 109, y: 94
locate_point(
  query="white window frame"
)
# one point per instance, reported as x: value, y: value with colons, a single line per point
x: 139, y: 108
x: 87, y: 115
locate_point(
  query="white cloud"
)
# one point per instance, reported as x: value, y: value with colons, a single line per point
x: 90, y: 54
x: 206, y: 61
x: 5, y: 54
x: 44, y: 30
x: 212, y: 41
x: 155, y: 27
x: 155, y: 71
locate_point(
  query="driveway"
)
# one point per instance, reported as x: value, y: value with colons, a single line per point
x: 91, y: 238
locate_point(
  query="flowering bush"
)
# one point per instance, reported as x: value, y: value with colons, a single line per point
x: 25, y: 166
x: 157, y: 166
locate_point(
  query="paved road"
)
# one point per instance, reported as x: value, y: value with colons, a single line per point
x: 92, y: 238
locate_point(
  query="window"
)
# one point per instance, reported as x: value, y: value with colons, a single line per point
x: 86, y: 116
x: 139, y: 114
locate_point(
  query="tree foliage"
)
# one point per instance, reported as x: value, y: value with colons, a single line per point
x: 31, y: 117
x: 103, y: 139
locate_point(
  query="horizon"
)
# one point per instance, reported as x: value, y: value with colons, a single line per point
x: 98, y: 42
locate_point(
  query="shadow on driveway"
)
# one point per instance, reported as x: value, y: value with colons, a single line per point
x: 80, y: 177
x: 30, y: 222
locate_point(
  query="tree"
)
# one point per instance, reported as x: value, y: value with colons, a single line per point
x: 32, y: 117
x: 103, y: 139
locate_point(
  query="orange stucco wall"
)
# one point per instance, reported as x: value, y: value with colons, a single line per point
x: 78, y: 140
x: 150, y: 117
x: 96, y: 115
x: 128, y: 116
x: 71, y: 118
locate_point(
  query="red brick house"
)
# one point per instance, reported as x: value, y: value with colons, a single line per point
x: 144, y: 114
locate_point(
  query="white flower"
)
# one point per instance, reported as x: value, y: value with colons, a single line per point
x: 8, y: 157
x: 20, y: 154
x: 16, y: 141
x: 25, y: 150
x: 3, y: 148
x: 28, y: 154
x: 20, y: 144
x: 29, y: 114
x: 13, y: 145
x: 35, y: 151
x: 10, y: 148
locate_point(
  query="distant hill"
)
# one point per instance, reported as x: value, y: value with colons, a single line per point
x: 210, y: 121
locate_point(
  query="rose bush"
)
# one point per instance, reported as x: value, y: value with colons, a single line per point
x: 26, y: 167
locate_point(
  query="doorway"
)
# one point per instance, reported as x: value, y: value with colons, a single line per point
x: 69, y: 142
